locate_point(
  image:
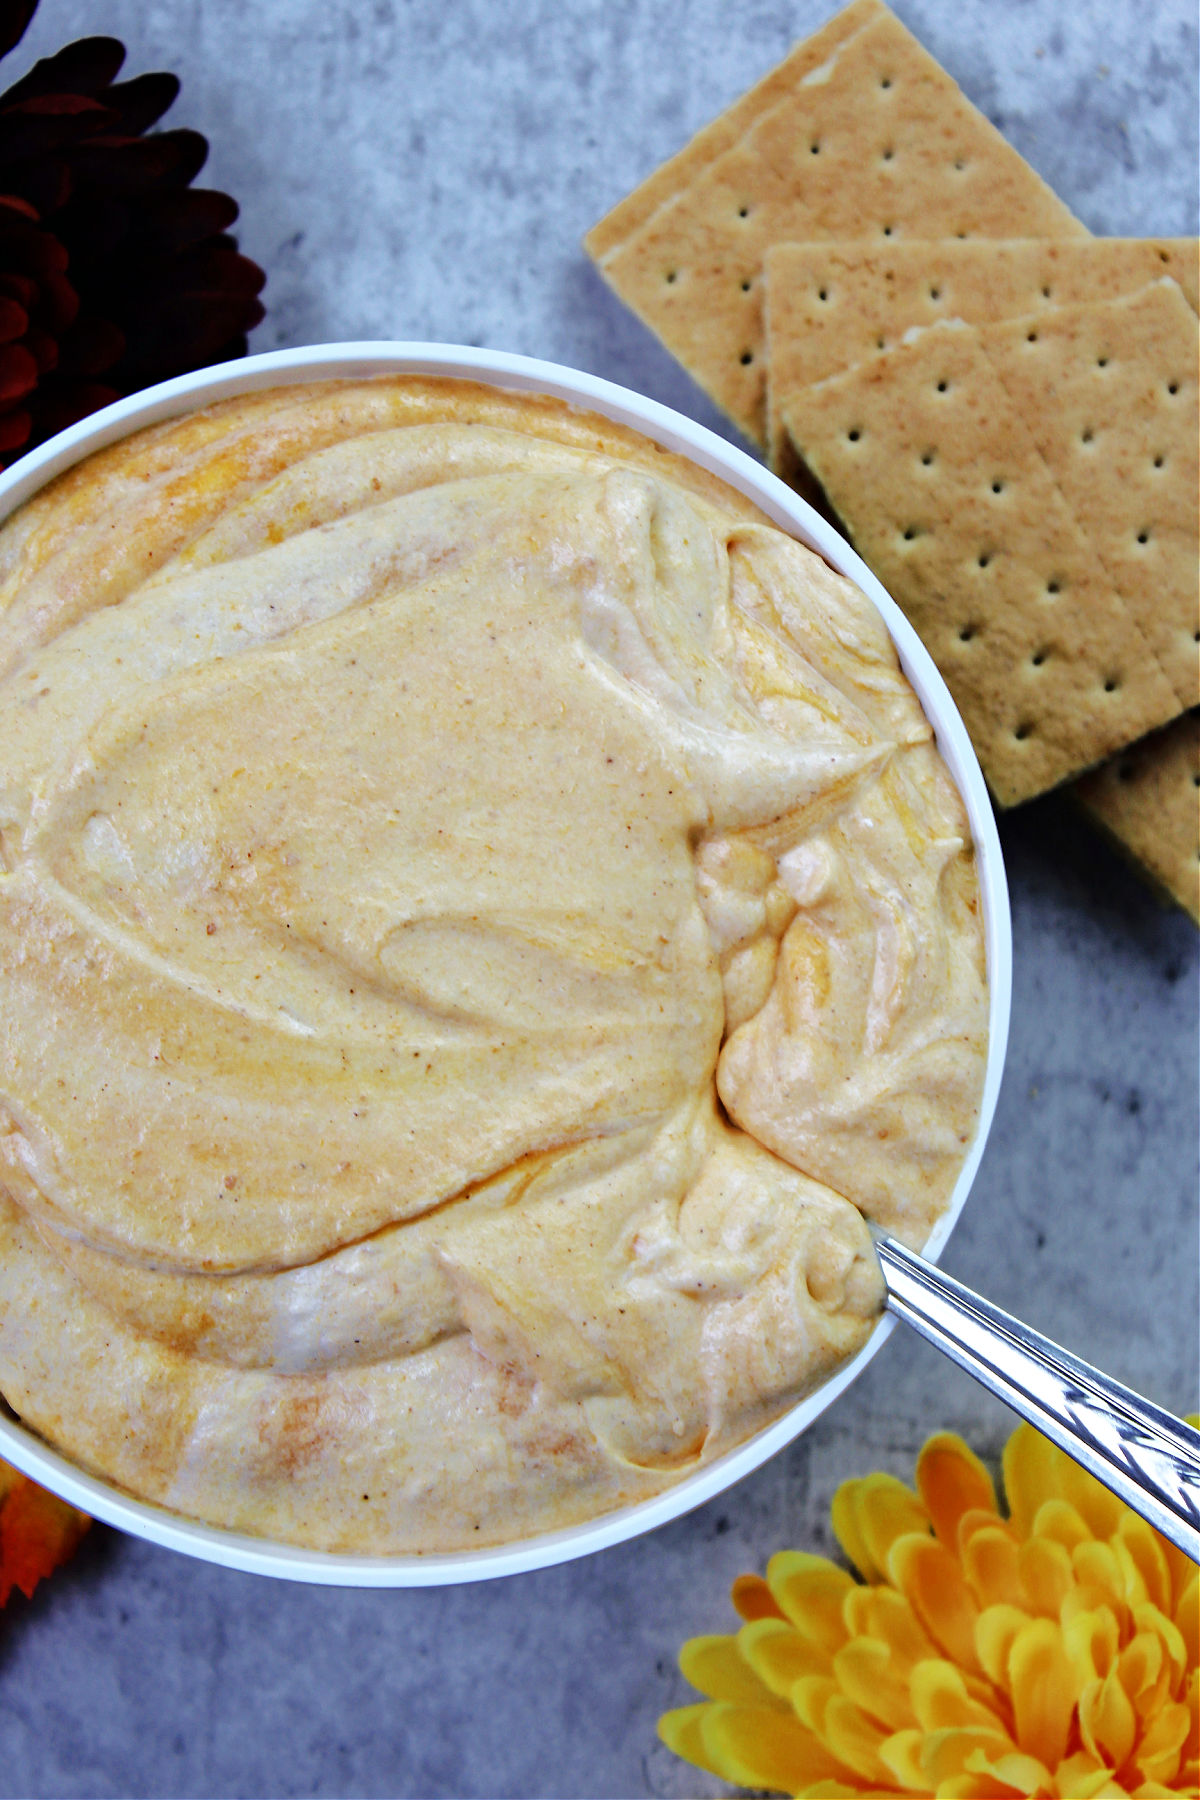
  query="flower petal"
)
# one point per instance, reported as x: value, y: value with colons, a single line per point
x: 716, y: 1667
x: 1148, y: 1618
x: 1091, y: 1640
x: 1058, y: 1519
x: 1046, y: 1576
x: 753, y: 1599
x: 995, y: 1633
x: 1191, y: 1749
x: 1031, y: 1476
x: 1107, y: 1721
x: 1081, y: 1776
x: 1157, y: 1756
x: 847, y: 1529
x: 855, y: 1739
x: 810, y: 1697
x: 867, y: 1672
x: 1043, y: 1692
x: 1187, y: 1620
x: 990, y: 1564
x: 880, y: 1612
x: 779, y: 1655
x: 1099, y: 1509
x: 901, y: 1755
x: 1020, y: 1774
x: 951, y: 1481
x: 884, y: 1509
x: 766, y: 1749
x: 962, y: 1750
x: 1146, y: 1550
x: 810, y: 1591
x: 932, y: 1580
x: 941, y: 1702
x: 1096, y: 1566
x: 680, y: 1732
x: 1144, y: 1671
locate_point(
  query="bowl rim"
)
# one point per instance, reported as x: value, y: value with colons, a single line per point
x: 675, y: 431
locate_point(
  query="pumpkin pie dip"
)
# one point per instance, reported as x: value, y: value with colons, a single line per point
x: 482, y: 918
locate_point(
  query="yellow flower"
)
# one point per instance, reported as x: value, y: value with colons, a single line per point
x: 1050, y: 1654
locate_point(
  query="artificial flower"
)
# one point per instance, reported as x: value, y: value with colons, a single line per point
x: 1052, y: 1653
x: 38, y: 1531
x: 115, y: 272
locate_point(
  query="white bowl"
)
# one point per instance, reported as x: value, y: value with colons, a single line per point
x: 235, y: 1550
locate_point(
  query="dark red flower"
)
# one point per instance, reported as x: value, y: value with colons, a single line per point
x: 114, y: 271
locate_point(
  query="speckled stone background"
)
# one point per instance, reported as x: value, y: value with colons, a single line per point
x: 426, y: 169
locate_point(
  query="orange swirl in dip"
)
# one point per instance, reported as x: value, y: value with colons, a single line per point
x: 482, y: 917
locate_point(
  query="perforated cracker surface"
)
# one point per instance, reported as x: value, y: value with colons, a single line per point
x: 1148, y: 799
x: 830, y: 305
x: 679, y: 171
x: 937, y: 478
x: 877, y: 143
x: 1110, y: 394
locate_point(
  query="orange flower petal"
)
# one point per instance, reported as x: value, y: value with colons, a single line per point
x: 901, y: 1756
x: 951, y: 1481
x: 1191, y: 1749
x: 941, y: 1701
x: 1059, y: 1521
x: 1148, y: 1618
x: 810, y: 1590
x: 680, y: 1732
x: 932, y: 1580
x: 962, y: 1750
x: 995, y: 1633
x: 779, y: 1655
x: 1144, y: 1670
x: 1096, y: 1566
x: 855, y: 1739
x: 866, y: 1672
x: 886, y: 1510
x: 1046, y: 1576
x: 1081, y: 1776
x: 810, y: 1697
x: 766, y: 1750
x: 991, y: 1566
x: 753, y: 1599
x: 1107, y: 1721
x: 1019, y: 1773
x: 716, y: 1666
x: 1091, y: 1640
x: 1031, y: 1476
x: 38, y: 1531
x: 847, y: 1529
x: 880, y: 1612
x: 1187, y: 1619
x: 974, y: 1787
x: 1146, y: 1550
x: 1157, y: 1756
x: 1100, y: 1510
x: 1043, y: 1692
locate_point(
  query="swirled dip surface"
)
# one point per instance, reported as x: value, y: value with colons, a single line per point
x: 481, y: 920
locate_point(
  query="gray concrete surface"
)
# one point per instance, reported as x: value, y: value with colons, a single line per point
x: 426, y: 168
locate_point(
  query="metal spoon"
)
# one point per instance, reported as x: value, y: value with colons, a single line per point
x: 1148, y: 1458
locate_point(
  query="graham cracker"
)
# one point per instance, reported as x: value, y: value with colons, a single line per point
x: 1148, y: 800
x: 679, y: 171
x: 939, y: 482
x: 1109, y: 393
x: 831, y: 305
x: 877, y: 142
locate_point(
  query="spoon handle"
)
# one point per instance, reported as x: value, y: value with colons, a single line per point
x: 1148, y: 1458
